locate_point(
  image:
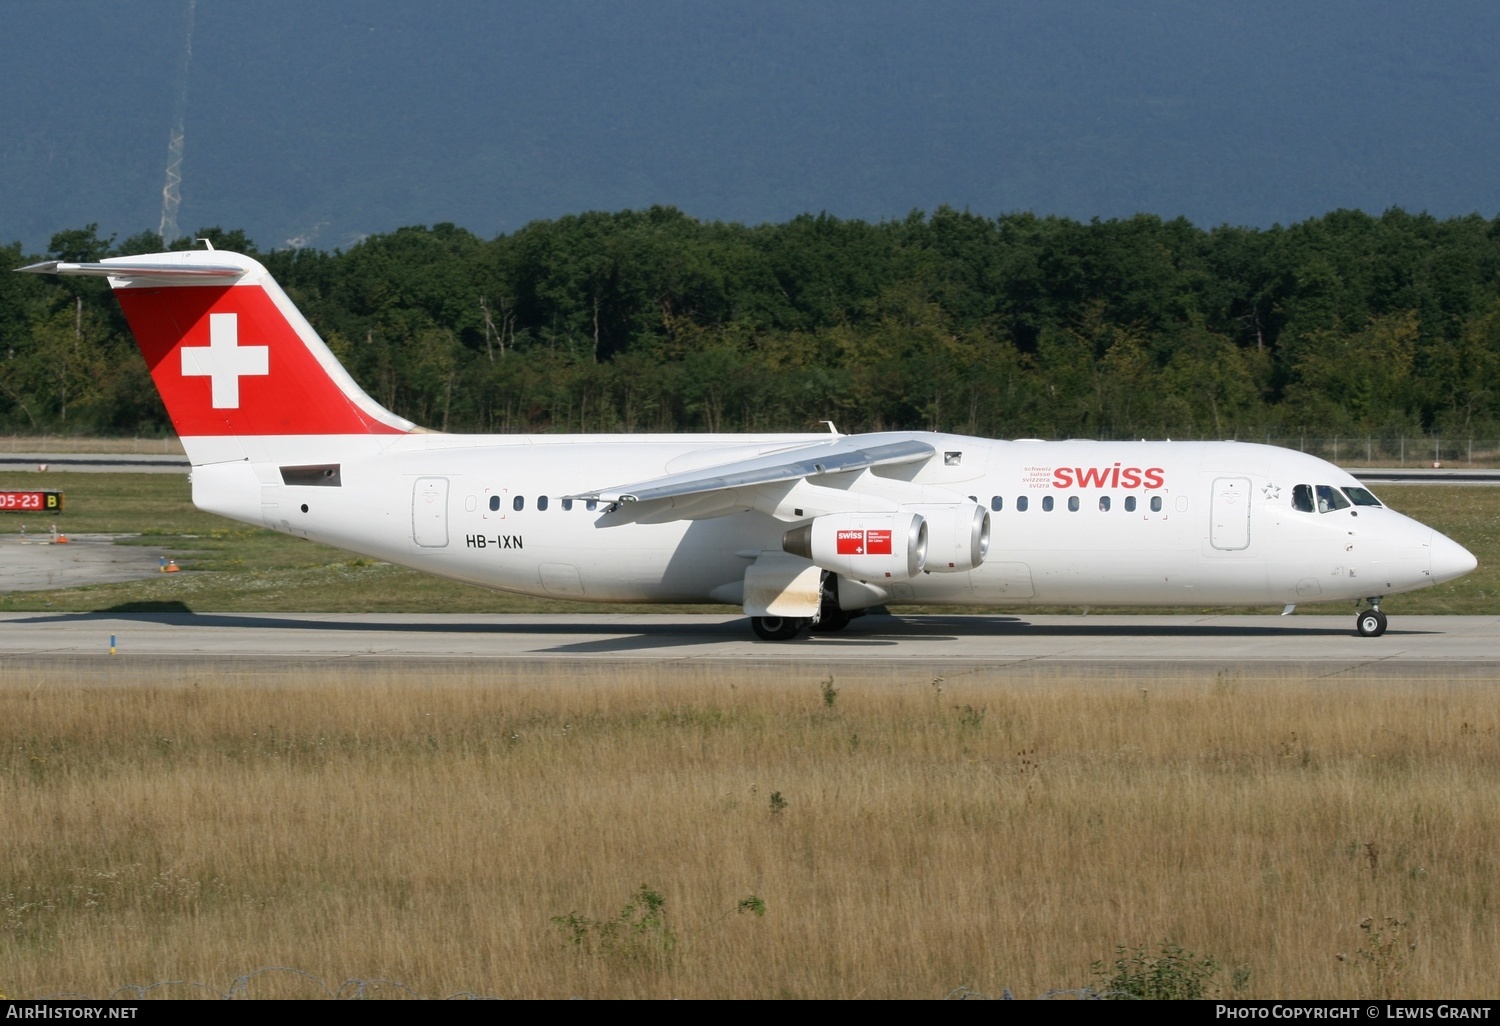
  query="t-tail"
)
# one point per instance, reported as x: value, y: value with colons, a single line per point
x: 242, y: 373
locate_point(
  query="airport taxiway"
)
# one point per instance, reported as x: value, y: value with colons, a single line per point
x: 37, y: 562
x: 1318, y: 645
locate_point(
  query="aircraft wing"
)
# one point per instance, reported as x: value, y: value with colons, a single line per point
x: 809, y: 462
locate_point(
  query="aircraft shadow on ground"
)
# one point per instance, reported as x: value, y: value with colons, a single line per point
x: 864, y: 632
x: 919, y: 626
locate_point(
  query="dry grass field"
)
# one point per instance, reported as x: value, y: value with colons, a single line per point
x: 695, y: 831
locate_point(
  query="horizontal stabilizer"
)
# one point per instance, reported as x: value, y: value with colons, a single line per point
x: 135, y: 271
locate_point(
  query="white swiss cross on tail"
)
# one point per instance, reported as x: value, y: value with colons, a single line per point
x: 224, y: 361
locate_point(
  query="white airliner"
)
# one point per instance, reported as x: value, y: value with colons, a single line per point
x: 801, y: 530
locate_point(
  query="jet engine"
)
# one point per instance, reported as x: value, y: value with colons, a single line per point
x: 958, y: 535
x: 865, y: 546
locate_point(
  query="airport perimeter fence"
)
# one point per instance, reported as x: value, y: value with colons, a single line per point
x: 1344, y: 450
x: 1411, y: 451
x: 1392, y: 451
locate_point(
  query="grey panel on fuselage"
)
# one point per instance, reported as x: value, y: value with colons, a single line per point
x: 429, y: 512
x: 1230, y: 514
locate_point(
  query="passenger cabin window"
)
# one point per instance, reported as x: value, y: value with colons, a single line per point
x: 1330, y: 499
x: 1156, y: 503
x: 1021, y: 503
x: 541, y: 502
x: 1072, y: 504
x: 997, y: 504
x: 591, y: 505
x: 1130, y: 504
x: 494, y: 503
x: 1302, y: 498
x: 518, y: 503
x: 1104, y: 504
x: 567, y: 505
x: 1361, y: 497
x: 1046, y: 504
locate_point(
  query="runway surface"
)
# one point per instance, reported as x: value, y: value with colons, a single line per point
x: 1426, y: 646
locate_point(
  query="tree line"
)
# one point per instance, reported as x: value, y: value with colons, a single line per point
x: 1014, y: 326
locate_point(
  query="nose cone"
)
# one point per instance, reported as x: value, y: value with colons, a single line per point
x: 1450, y: 560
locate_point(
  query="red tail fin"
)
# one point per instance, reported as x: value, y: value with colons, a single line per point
x: 229, y: 352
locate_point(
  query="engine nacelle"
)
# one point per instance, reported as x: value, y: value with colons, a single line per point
x: 865, y: 546
x: 958, y: 535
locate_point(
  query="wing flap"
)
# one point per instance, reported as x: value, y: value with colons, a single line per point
x: 843, y: 456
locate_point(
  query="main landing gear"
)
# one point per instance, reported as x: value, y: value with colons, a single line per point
x: 1371, y: 622
x: 828, y: 622
x: 830, y: 617
x: 777, y: 628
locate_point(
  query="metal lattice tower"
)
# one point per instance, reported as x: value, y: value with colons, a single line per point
x: 171, y: 193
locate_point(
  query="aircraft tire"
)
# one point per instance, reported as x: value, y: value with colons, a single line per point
x: 1370, y: 624
x: 777, y: 628
x: 829, y: 622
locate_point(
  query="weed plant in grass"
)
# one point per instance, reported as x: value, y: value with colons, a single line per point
x: 633, y: 831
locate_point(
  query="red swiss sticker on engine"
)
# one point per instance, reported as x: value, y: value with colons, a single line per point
x: 850, y: 543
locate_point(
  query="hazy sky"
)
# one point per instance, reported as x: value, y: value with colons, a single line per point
x: 329, y: 121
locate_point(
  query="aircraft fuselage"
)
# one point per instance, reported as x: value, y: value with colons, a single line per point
x: 1129, y: 523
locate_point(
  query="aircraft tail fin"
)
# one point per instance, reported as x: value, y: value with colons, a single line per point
x: 233, y: 358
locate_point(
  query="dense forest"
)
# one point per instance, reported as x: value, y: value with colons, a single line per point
x: 1017, y: 326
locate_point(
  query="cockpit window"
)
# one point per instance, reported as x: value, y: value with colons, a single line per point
x: 1361, y: 496
x: 1302, y: 499
x: 1330, y: 499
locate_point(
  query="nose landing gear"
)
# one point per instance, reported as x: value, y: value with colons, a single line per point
x: 1371, y: 622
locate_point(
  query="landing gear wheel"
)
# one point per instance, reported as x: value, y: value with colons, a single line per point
x: 829, y: 622
x: 831, y: 617
x: 777, y: 628
x: 1370, y: 623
